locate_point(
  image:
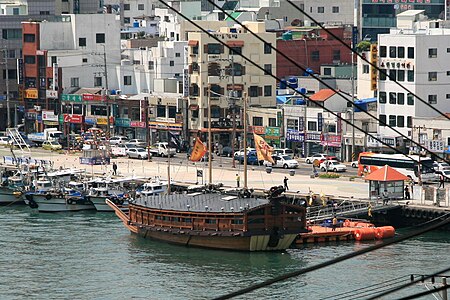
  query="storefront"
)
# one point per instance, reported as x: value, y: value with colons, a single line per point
x: 331, y: 144
x: 72, y: 123
x: 160, y: 130
x: 123, y: 127
x: 295, y: 139
x: 49, y: 119
x: 140, y: 131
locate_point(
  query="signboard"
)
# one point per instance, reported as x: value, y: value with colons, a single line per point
x: 90, y: 120
x: 373, y: 71
x: 331, y: 140
x: 312, y: 137
x: 74, y: 119
x: 31, y: 93
x: 354, y: 36
x: 94, y: 160
x: 258, y: 129
x: 51, y: 94
x: 319, y: 122
x: 19, y: 71
x: 121, y: 122
x: 435, y: 145
x: 49, y: 115
x: 295, y: 136
x: 71, y: 98
x: 55, y: 83
x: 104, y: 121
x: 301, y: 124
x: 272, y: 132
x: 137, y: 124
x: 92, y: 97
x: 371, y: 142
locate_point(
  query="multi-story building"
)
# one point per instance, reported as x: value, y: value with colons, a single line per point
x: 68, y: 54
x: 131, y: 10
x: 416, y: 55
x: 217, y: 71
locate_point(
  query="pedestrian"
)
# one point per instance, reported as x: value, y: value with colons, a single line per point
x: 441, y: 181
x: 296, y: 152
x: 114, y: 167
x: 238, y: 180
x: 385, y: 196
x: 285, y: 181
x: 334, y: 224
x: 407, y: 195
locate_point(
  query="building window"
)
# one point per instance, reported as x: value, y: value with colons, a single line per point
x: 392, y: 75
x: 335, y: 9
x: 320, y: 9
x: 410, y: 99
x: 74, y: 82
x: 315, y: 56
x: 410, y: 76
x: 267, y: 90
x: 400, y: 121
x: 432, y: 76
x: 235, y: 50
x: 214, y: 48
x: 272, y: 122
x: 257, y: 121
x: 16, y: 11
x: 100, y: 38
x: 267, y: 69
x: 392, y: 98
x: 127, y: 80
x: 401, y: 52
x: 82, y: 42
x: 327, y: 71
x: 84, y: 60
x: 410, y: 52
x: 267, y: 48
x: 392, y: 121
x: 382, y: 74
x: 126, y: 7
x: 194, y: 91
x: 29, y: 38
x: 30, y: 59
x: 382, y: 97
x: 447, y: 96
x: 126, y: 20
x: 392, y: 52
x: 409, y: 122
x: 97, y: 81
x: 171, y: 63
x: 432, y: 99
x: 177, y: 54
x: 160, y: 111
x: 383, y: 51
x: 12, y: 34
x: 213, y: 69
x: 400, y: 75
x: 400, y: 99
x: 173, y: 112
x: 195, y: 49
x: 432, y: 52
x: 382, y: 120
x: 312, y: 126
x: 140, y: 6
x: 448, y: 50
x: 253, y: 91
x: 236, y: 68
x: 365, y: 69
x: 336, y: 54
x: 151, y: 65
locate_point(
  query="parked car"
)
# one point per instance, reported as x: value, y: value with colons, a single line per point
x: 162, y: 149
x: 283, y: 161
x: 119, y: 150
x: 332, y: 165
x: 317, y: 156
x: 140, y: 153
x: 5, y: 140
x: 241, y: 152
x: 226, y: 151
x: 285, y: 151
x: 252, y: 159
x: 446, y: 174
x: 118, y: 140
x: 138, y: 143
x: 354, y: 164
x: 441, y: 166
x: 51, y: 145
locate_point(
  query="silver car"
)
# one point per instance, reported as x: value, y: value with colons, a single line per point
x: 140, y: 153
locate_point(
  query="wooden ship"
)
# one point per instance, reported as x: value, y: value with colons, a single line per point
x: 221, y: 221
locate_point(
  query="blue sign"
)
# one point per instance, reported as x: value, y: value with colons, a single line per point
x: 354, y: 37
x: 319, y: 122
x: 301, y: 124
x: 294, y: 136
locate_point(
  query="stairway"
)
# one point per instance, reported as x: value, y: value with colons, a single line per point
x: 17, y: 139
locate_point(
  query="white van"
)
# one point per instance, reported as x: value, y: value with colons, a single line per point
x: 285, y: 151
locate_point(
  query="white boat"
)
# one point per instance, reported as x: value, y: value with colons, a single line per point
x: 152, y: 188
x: 111, y: 189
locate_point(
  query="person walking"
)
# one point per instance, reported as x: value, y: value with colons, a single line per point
x: 114, y: 167
x: 441, y: 181
x: 285, y: 181
x: 407, y: 194
x: 238, y: 180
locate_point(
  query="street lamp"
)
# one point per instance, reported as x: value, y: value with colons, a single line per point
x: 420, y: 148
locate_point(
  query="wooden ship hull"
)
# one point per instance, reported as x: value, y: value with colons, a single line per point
x: 240, y: 224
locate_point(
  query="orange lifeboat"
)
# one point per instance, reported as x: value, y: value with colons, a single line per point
x: 364, y: 234
x: 384, y: 232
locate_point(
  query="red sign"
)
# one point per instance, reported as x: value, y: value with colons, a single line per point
x: 92, y: 97
x: 74, y: 119
x: 137, y: 124
x: 258, y: 129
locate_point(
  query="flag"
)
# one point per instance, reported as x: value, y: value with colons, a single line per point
x: 174, y: 140
x: 263, y: 150
x: 198, y: 151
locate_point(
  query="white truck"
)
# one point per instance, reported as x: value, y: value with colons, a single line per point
x: 162, y: 149
x: 49, y: 134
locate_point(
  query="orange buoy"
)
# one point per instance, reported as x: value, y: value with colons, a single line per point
x: 384, y: 232
x: 364, y: 234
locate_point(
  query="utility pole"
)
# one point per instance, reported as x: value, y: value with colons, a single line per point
x: 108, y: 109
x: 353, y: 109
x: 209, y: 137
x: 233, y: 111
x: 305, y: 124
x: 244, y: 119
x: 147, y: 126
x: 8, y: 112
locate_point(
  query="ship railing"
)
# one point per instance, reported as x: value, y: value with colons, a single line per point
x: 317, y: 214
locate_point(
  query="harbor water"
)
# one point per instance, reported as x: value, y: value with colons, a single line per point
x: 92, y: 256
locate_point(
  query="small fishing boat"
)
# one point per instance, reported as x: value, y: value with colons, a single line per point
x: 153, y: 187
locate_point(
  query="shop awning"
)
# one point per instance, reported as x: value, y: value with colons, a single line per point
x: 193, y: 107
x: 235, y: 43
x: 192, y: 43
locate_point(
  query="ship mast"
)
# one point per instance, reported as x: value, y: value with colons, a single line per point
x: 209, y: 137
x: 244, y: 119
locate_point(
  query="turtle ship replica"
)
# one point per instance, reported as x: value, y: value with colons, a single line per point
x: 213, y: 219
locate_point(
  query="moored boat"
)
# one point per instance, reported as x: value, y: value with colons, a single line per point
x: 214, y: 220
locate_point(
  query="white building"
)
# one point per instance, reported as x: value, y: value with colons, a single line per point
x: 417, y: 55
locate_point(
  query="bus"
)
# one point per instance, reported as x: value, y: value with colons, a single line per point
x: 407, y: 165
